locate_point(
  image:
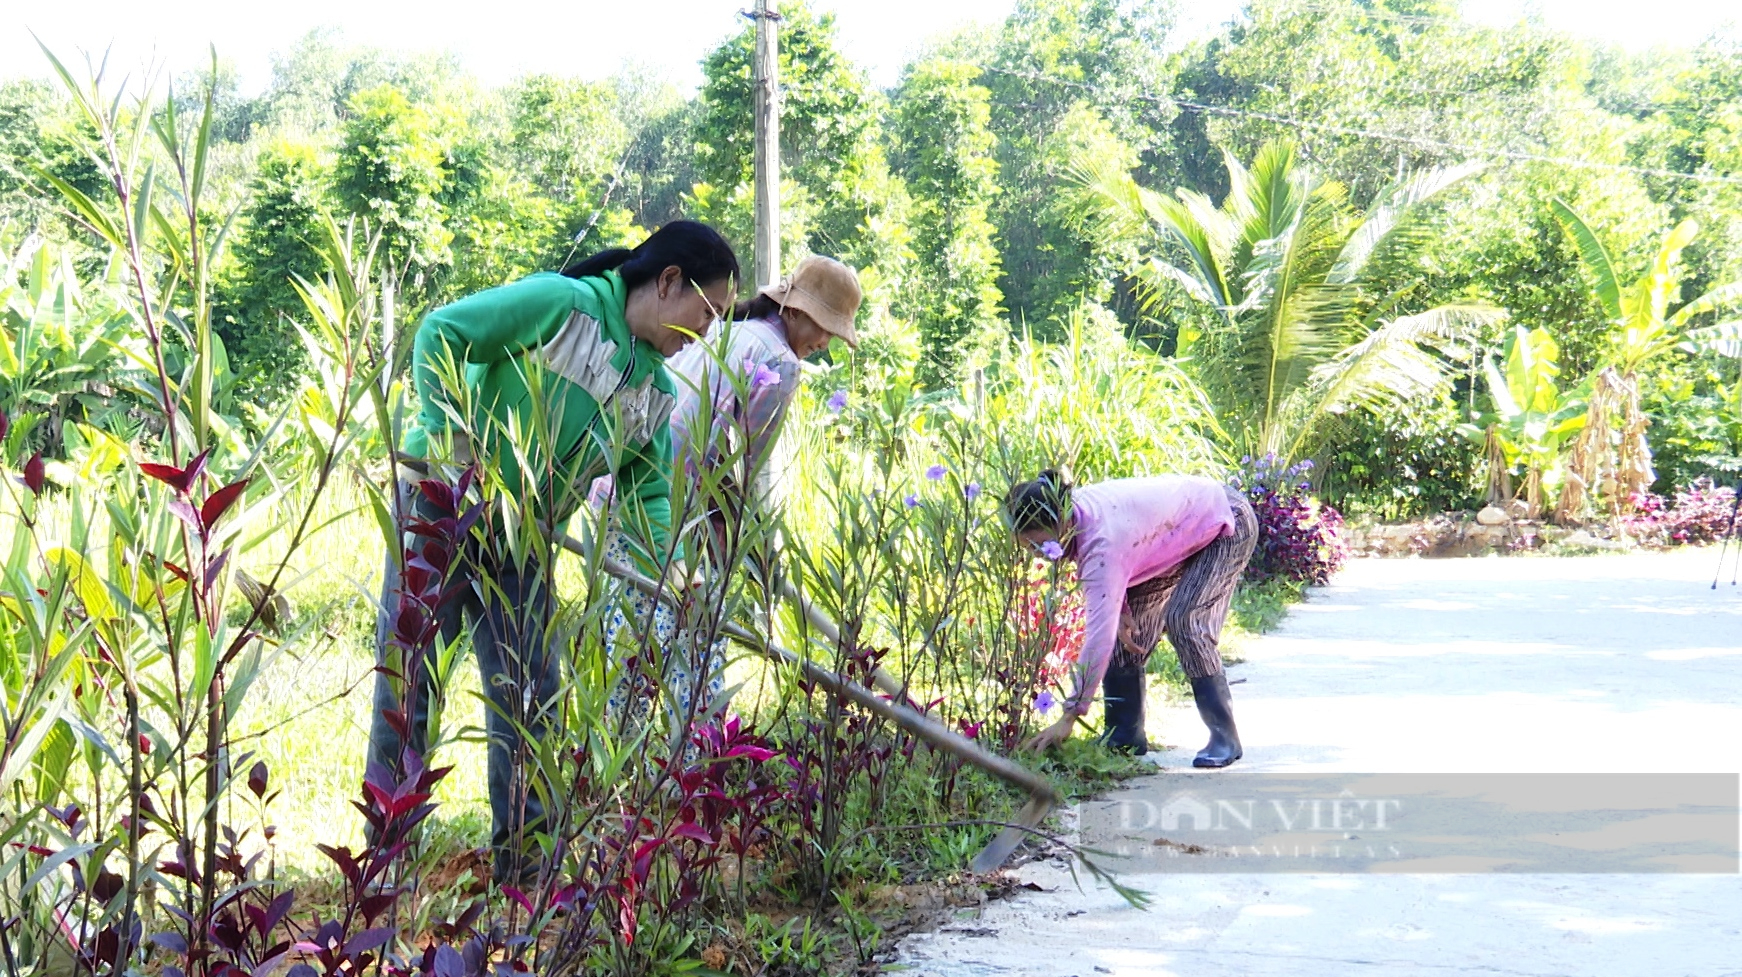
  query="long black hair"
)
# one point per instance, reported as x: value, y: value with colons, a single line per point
x: 1040, y: 503
x: 758, y: 306
x: 697, y: 249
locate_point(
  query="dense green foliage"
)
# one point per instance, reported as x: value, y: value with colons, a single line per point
x: 1081, y: 245
x: 959, y: 193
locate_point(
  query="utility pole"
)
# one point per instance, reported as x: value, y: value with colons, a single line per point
x: 765, y: 81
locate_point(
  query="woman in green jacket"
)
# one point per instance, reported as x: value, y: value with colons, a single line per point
x: 559, y: 379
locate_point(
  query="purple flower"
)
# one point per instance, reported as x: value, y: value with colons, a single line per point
x: 1052, y: 550
x: 936, y: 473
x: 1043, y: 703
x: 837, y: 401
x: 912, y: 501
x: 972, y: 491
x: 765, y: 376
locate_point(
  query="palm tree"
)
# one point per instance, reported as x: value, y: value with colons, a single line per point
x: 1613, y: 452
x: 1300, y: 333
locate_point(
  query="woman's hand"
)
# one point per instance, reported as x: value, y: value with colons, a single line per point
x: 682, y: 582
x: 1056, y: 733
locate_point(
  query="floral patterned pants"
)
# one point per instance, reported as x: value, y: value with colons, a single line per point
x: 682, y: 669
x: 1190, y: 603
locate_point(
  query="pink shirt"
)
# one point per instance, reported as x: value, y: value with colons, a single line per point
x: 1128, y: 531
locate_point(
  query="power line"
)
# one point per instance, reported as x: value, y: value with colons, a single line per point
x: 1393, y: 137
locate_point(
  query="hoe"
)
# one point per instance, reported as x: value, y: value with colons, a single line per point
x: 1041, y: 796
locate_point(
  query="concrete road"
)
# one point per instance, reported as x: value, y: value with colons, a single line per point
x: 1602, y: 664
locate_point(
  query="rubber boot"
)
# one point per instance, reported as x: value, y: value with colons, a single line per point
x: 1216, y: 708
x: 1122, y: 702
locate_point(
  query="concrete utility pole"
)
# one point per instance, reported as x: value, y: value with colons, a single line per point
x: 765, y: 81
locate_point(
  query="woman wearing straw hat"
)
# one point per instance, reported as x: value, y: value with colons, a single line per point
x: 759, y: 354
x: 733, y: 389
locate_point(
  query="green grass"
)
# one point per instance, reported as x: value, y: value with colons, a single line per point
x: 1258, y: 609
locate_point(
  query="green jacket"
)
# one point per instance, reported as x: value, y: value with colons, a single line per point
x: 576, y: 330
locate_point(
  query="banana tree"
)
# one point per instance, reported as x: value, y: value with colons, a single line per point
x: 1300, y: 331
x: 1530, y: 419
x: 1643, y: 332
x: 63, y: 345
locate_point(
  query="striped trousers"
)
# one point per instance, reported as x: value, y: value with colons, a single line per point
x: 1190, y: 603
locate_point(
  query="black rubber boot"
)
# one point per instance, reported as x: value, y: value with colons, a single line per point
x: 1122, y: 702
x: 1216, y: 708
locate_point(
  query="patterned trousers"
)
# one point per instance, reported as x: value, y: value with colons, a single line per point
x: 681, y: 675
x: 1190, y: 603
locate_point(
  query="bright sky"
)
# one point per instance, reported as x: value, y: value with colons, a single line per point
x: 501, y: 39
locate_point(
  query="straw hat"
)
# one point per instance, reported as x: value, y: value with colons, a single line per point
x: 825, y: 290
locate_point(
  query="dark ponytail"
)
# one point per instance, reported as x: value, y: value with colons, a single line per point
x: 1039, y: 504
x: 703, y: 255
x: 758, y: 307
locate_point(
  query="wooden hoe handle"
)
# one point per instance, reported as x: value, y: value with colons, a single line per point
x: 1042, y: 797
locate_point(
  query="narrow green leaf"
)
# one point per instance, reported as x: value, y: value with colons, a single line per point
x: 86, y: 208
x: 202, y: 141
x: 1595, y: 258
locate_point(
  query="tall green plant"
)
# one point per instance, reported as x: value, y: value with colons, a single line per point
x: 62, y: 343
x: 130, y: 672
x: 1643, y: 332
x: 1302, y: 330
x: 946, y: 155
x: 1530, y: 419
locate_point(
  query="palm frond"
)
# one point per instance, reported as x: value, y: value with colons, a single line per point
x: 1397, y: 362
x: 1594, y: 257
x: 1277, y: 191
x: 1177, y: 221
x: 1152, y: 273
x: 1722, y: 297
x: 1725, y: 339
x: 1238, y: 204
x: 1396, y: 206
x: 1106, y: 200
x: 1112, y: 204
x: 1298, y: 324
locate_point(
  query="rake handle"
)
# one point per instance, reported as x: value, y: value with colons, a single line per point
x: 880, y: 678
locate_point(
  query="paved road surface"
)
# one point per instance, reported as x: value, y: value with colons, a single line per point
x: 1599, y: 664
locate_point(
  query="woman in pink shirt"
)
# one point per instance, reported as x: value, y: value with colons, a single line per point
x: 1154, y: 555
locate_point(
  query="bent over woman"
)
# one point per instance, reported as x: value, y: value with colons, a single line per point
x: 1154, y: 555
x: 576, y: 364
